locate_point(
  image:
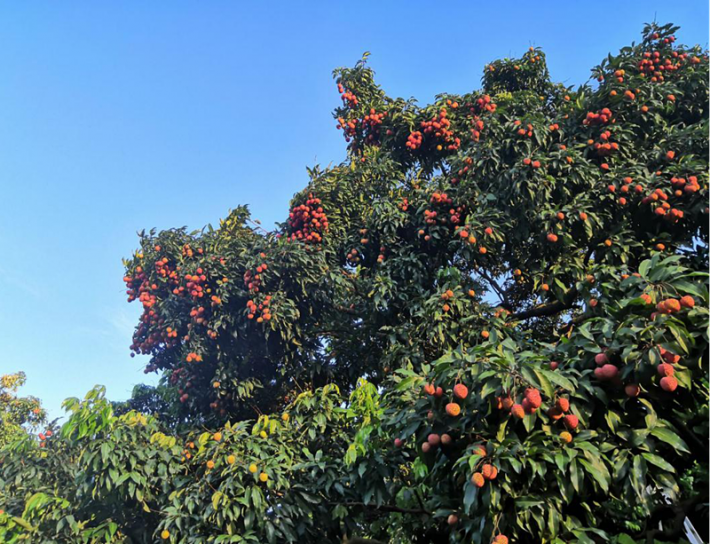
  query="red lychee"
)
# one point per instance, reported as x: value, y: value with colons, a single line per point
x: 533, y: 396
x: 571, y: 421
x: 487, y: 471
x: 632, y: 390
x: 669, y: 383
x: 609, y: 371
x: 601, y: 359
x: 478, y: 479
x: 563, y: 404
x: 687, y: 301
x: 460, y: 391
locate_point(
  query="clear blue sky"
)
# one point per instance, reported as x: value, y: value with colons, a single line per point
x: 136, y: 114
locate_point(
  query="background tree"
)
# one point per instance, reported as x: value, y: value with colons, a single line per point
x: 18, y: 415
x: 488, y: 324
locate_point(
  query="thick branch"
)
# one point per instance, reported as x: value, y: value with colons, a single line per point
x: 581, y: 318
x: 551, y: 308
x: 350, y: 311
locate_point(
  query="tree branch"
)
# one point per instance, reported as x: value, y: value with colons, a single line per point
x: 501, y: 294
x: 551, y: 308
x: 350, y: 311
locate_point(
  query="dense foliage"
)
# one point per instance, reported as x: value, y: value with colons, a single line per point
x: 488, y: 324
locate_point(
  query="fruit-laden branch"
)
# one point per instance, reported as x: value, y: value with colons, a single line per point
x: 548, y: 309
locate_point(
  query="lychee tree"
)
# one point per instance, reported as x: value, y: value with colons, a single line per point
x: 488, y: 324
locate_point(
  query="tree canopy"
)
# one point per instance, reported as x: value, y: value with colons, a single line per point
x: 488, y: 324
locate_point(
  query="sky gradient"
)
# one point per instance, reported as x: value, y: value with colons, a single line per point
x: 117, y: 117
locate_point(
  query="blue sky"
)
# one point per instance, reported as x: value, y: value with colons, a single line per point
x: 120, y: 116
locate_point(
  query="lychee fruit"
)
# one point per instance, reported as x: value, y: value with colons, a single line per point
x: 563, y: 404
x: 632, y: 390
x: 518, y: 411
x: 566, y: 437
x: 489, y: 472
x: 533, y: 397
x: 687, y: 302
x: 664, y: 369
x: 453, y: 409
x: 460, y: 391
x: 601, y: 359
x: 446, y: 439
x: 528, y: 407
x: 609, y: 371
x: 433, y: 439
x: 571, y: 421
x: 478, y: 479
x: 669, y: 383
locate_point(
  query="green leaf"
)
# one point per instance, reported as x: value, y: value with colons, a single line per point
x: 545, y: 384
x: 500, y: 435
x: 556, y: 378
x: 216, y: 498
x: 597, y: 474
x: 644, y: 268
x: 575, y: 476
x: 469, y: 496
x: 658, y: 461
x: 669, y: 437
